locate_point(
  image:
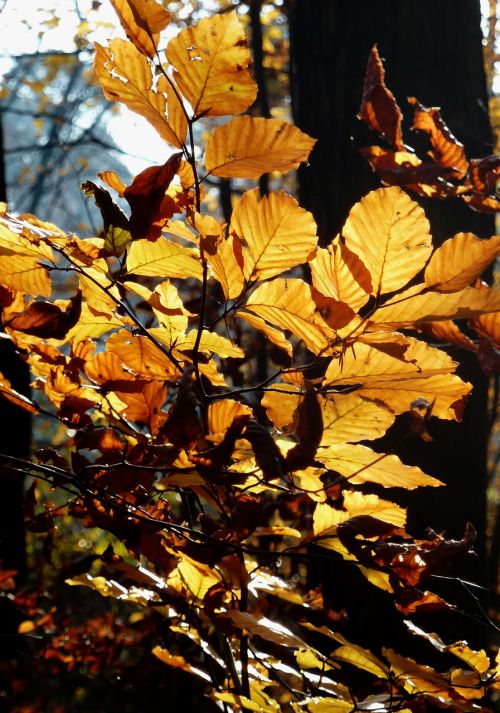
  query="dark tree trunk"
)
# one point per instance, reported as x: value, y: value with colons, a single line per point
x: 432, y: 50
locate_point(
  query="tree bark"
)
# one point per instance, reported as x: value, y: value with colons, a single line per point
x: 432, y: 50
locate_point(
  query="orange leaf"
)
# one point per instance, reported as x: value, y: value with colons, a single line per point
x: 339, y: 273
x: 143, y: 401
x: 211, y: 66
x: 447, y: 151
x: 142, y: 21
x: 391, y: 232
x: 247, y: 147
x: 459, y: 261
x: 125, y: 75
x: 275, y: 232
x: 378, y: 106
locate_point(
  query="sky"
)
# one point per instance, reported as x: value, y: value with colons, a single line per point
x: 20, y: 23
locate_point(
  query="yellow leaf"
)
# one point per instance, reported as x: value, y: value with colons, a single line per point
x: 223, y: 255
x: 162, y: 259
x: 142, y: 21
x: 329, y: 705
x: 423, y: 372
x: 210, y: 342
x: 20, y: 267
x: 350, y: 418
x: 478, y: 660
x: 467, y: 684
x: 339, y: 273
x: 281, y: 404
x: 211, y: 66
x: 414, y: 306
x: 26, y: 626
x: 326, y: 519
x: 247, y: 147
x: 359, y: 657
x: 99, y: 296
x: 275, y: 232
x: 242, y: 703
x: 165, y: 656
x: 415, y: 677
x: 357, y: 503
x: 198, y: 578
x: 459, y: 260
x: 266, y: 628
x: 125, y: 75
x: 288, y: 304
x: 275, y: 336
x: 391, y: 234
x: 365, y: 364
x: 92, y: 325
x: 308, y: 658
x: 362, y: 465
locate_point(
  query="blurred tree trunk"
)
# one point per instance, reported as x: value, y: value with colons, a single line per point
x: 15, y: 436
x: 432, y: 50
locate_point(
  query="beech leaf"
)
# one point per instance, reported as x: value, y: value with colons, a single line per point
x: 247, y: 147
x: 391, y: 232
x: 142, y: 21
x: 211, y: 64
x: 459, y: 261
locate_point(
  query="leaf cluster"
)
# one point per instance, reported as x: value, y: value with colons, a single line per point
x: 208, y: 475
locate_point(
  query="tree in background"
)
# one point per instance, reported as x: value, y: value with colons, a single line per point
x: 433, y: 53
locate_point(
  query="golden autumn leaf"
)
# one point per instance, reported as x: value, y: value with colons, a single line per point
x: 125, y: 75
x: 459, y: 260
x: 180, y: 662
x: 142, y: 20
x: 139, y: 353
x: 350, y: 418
x: 488, y: 326
x: 359, y: 657
x: 274, y: 231
x: 329, y: 705
x: 221, y: 415
x: 326, y: 518
x: 211, y: 64
x: 339, y: 273
x: 92, y: 325
x: 288, y: 304
x: 391, y: 233
x: 478, y: 660
x: 222, y: 254
x: 365, y: 364
x: 360, y: 464
x: 20, y: 266
x: 423, y: 372
x: 247, y: 147
x: 107, y: 366
x: 143, y: 402
x: 210, y: 342
x: 274, y: 335
x: 416, y: 305
x: 416, y: 677
x: 281, y: 404
x: 163, y: 258
x: 447, y: 331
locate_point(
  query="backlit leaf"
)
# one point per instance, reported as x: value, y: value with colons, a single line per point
x: 143, y: 402
x: 360, y: 464
x: 415, y: 305
x: 211, y: 64
x: 391, y: 233
x: 275, y: 232
x: 247, y: 147
x: 142, y: 21
x: 142, y: 356
x: 446, y: 150
x: 264, y: 627
x: 125, y: 75
x: 14, y: 396
x: 339, y: 273
x: 162, y: 258
x: 459, y: 260
x: 180, y: 662
x: 350, y: 418
x: 288, y: 304
x: 378, y: 105
x: 92, y: 325
x: 222, y: 414
x: 274, y: 335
